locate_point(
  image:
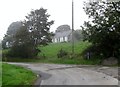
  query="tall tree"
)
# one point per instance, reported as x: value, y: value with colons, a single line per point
x: 104, y: 29
x: 39, y: 26
x: 23, y: 46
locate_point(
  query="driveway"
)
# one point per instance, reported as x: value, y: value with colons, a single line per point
x: 60, y: 74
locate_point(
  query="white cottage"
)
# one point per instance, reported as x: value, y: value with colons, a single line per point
x: 62, y: 34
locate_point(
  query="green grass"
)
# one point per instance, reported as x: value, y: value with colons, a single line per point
x: 48, y: 54
x: 0, y: 73
x: 16, y: 75
x: 51, y: 50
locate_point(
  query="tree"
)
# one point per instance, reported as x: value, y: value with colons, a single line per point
x: 23, y: 44
x: 104, y: 29
x: 33, y: 32
x: 39, y: 26
x: 9, y: 37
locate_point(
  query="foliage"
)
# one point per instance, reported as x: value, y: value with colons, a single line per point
x: 92, y: 52
x: 61, y: 53
x: 104, y: 29
x: 33, y: 32
x: 15, y: 75
x: 22, y: 46
x: 51, y: 57
x: 56, y: 47
x: 39, y: 26
x: 9, y: 37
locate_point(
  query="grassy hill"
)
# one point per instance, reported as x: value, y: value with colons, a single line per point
x: 51, y: 50
x: 49, y: 53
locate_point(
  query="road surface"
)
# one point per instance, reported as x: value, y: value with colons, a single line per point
x: 59, y: 74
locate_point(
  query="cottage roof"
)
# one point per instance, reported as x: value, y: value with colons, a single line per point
x: 62, y: 34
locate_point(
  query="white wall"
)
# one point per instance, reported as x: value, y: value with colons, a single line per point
x: 55, y: 40
x: 61, y: 39
x: 66, y: 38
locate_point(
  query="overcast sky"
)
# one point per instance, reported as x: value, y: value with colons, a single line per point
x: 60, y: 11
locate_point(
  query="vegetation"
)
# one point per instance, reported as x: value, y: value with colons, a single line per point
x: 39, y: 26
x: 49, y: 53
x: 0, y: 73
x: 33, y: 31
x: 51, y: 50
x: 102, y: 32
x: 22, y: 46
x: 16, y: 75
x: 104, y: 29
x: 9, y: 37
x: 62, y: 53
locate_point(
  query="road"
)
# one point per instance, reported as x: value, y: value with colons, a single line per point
x: 60, y: 74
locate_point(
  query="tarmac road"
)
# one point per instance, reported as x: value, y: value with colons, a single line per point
x: 60, y: 74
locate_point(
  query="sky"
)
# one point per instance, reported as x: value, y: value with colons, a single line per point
x: 60, y: 11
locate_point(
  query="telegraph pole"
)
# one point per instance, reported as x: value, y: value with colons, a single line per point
x: 72, y: 27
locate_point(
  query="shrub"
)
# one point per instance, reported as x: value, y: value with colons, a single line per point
x: 92, y: 52
x: 61, y: 53
x: 23, y: 51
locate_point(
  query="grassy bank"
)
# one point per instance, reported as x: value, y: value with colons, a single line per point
x: 48, y: 54
x: 16, y: 75
x: 51, y: 50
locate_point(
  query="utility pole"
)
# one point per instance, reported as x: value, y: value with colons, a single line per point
x: 72, y: 27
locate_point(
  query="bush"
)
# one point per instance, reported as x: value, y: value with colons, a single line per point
x: 24, y: 51
x: 61, y: 53
x: 92, y: 52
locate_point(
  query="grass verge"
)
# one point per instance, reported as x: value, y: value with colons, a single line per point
x: 16, y: 75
